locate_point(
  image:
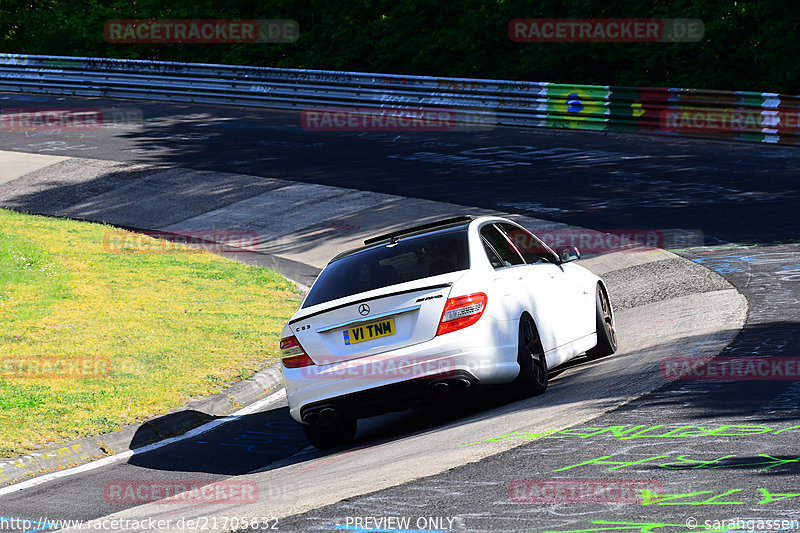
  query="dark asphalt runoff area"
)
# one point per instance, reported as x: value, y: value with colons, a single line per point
x: 712, y: 450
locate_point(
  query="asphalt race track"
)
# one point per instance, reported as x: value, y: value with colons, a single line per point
x: 732, y: 191
x: 710, y: 449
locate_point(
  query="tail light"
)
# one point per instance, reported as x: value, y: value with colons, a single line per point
x: 461, y: 312
x: 292, y: 354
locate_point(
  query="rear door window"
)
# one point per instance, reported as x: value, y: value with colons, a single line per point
x: 533, y: 250
x: 494, y: 259
x: 500, y: 244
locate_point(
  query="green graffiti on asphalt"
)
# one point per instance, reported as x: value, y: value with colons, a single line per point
x: 651, y: 498
x: 646, y: 527
x: 682, y: 462
x: 640, y: 432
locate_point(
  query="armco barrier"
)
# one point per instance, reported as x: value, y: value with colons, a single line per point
x: 730, y: 115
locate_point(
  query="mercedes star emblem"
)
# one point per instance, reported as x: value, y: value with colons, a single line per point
x: 363, y: 309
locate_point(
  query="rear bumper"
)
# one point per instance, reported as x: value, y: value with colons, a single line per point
x: 485, y: 353
x: 386, y: 398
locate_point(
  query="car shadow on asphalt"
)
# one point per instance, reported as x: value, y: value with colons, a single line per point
x: 237, y: 447
x: 271, y: 439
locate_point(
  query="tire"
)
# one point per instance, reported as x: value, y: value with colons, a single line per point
x: 533, y: 374
x: 330, y: 436
x: 606, y: 330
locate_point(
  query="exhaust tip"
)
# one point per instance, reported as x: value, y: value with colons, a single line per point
x: 327, y: 413
x: 440, y: 387
x: 311, y: 418
x: 460, y: 384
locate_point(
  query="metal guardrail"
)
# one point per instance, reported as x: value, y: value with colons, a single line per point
x: 731, y: 115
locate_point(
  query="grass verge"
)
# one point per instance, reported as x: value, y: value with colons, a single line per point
x: 169, y: 327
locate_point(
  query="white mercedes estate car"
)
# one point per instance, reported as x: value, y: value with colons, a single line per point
x: 433, y: 309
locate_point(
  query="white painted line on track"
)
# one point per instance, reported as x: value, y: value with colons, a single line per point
x: 250, y: 409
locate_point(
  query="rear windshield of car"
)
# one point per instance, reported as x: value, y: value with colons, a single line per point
x: 410, y: 259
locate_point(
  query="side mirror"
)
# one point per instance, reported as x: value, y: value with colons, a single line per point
x: 569, y: 254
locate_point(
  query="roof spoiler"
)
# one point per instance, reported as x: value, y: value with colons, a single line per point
x: 431, y: 225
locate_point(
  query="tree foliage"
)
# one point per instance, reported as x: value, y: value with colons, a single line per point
x: 747, y: 45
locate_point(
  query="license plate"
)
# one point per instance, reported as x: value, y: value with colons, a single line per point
x: 367, y: 332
